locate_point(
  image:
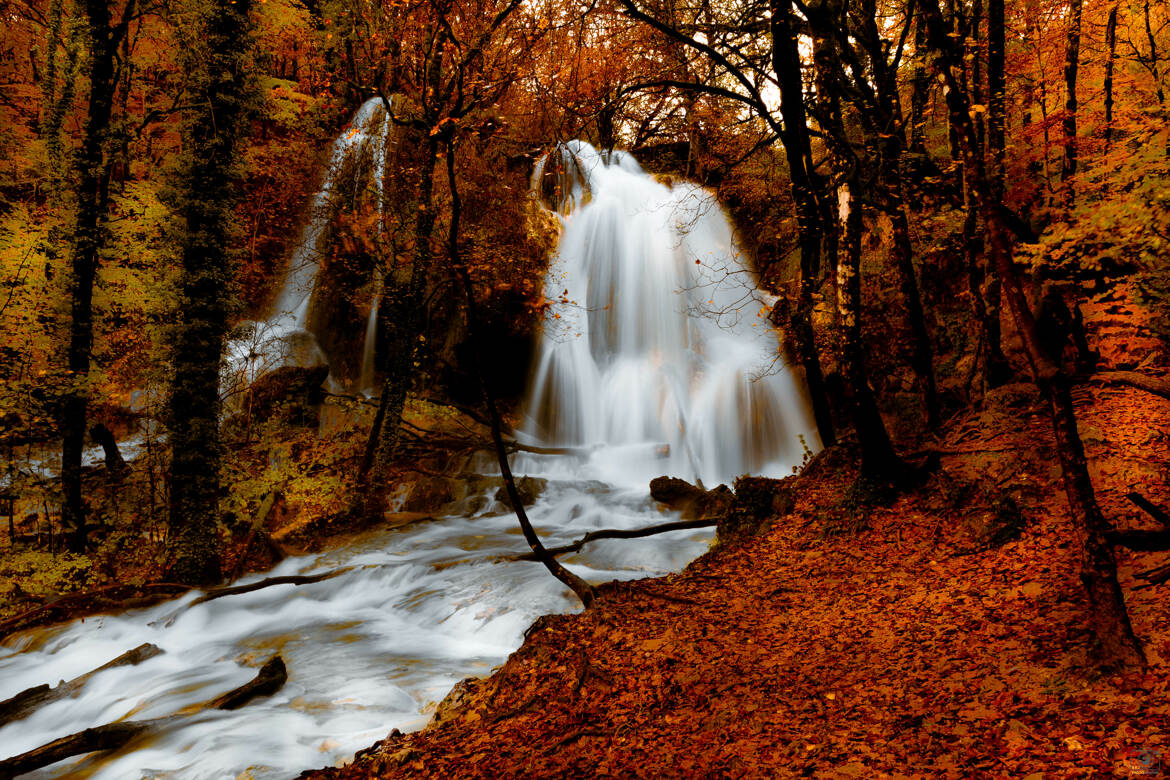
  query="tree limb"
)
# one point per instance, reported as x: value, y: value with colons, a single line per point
x: 235, y: 590
x: 28, y: 701
x: 1150, y: 384
x: 112, y: 736
x: 619, y: 533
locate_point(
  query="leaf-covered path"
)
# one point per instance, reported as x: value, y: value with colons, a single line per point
x: 902, y: 648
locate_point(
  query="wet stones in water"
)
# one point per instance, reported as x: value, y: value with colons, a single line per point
x: 529, y: 489
x: 693, y: 502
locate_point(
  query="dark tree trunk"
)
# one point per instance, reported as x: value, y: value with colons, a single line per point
x: 879, y: 462
x: 920, y: 90
x: 221, y: 95
x: 1111, y: 44
x: 807, y: 189
x: 922, y: 356
x: 582, y: 589
x: 1155, y: 67
x: 996, y: 97
x: 89, y: 241
x: 1116, y: 644
x: 1072, y: 60
x: 404, y: 320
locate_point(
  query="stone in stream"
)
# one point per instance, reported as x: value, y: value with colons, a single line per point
x: 692, y: 501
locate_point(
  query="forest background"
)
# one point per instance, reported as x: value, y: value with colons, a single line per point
x: 952, y: 182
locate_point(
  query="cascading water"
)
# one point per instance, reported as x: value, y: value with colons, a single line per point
x: 657, y: 381
x: 658, y: 340
x: 284, y: 338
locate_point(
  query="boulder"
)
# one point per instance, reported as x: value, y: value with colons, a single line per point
x: 529, y: 489
x: 692, y: 501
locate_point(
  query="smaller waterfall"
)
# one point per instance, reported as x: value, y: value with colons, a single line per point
x: 284, y: 338
x: 658, y: 344
x: 370, y: 343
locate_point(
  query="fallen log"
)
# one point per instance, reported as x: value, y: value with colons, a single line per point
x: 15, y: 622
x: 299, y: 579
x: 1141, y: 541
x: 1150, y: 384
x: 112, y: 736
x: 28, y: 701
x: 270, y: 679
x: 1154, y: 576
x: 108, y: 737
x: 1150, y: 508
x: 617, y: 533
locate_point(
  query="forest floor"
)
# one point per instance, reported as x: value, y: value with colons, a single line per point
x: 943, y: 635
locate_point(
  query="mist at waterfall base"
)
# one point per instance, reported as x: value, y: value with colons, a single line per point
x: 648, y: 370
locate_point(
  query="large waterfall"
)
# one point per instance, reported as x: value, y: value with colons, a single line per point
x: 658, y: 341
x: 655, y: 360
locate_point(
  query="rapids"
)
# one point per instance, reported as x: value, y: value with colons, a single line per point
x: 657, y: 359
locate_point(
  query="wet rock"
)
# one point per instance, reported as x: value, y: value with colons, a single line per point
x: 529, y: 489
x: 757, y: 501
x: 694, y: 502
x: 425, y: 493
x: 290, y: 393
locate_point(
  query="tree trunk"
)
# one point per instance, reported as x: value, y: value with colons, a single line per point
x: 806, y: 190
x: 1155, y: 67
x: 922, y: 357
x: 920, y: 90
x: 879, y: 462
x: 89, y: 241
x: 1072, y: 59
x: 1116, y: 644
x: 582, y: 589
x: 1111, y: 44
x: 221, y: 95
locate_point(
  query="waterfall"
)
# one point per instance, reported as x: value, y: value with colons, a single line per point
x: 658, y: 341
x: 284, y: 337
x: 370, y: 343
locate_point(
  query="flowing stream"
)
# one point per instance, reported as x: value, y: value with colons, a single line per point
x: 655, y: 360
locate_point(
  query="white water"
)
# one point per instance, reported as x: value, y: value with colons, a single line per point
x: 284, y: 338
x: 425, y: 606
x: 645, y: 387
x: 660, y: 339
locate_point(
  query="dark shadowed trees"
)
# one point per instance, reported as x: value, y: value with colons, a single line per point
x: 220, y: 100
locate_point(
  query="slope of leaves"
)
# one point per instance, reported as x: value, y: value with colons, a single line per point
x: 914, y: 647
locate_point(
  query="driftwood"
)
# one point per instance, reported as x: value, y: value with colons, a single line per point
x: 1150, y: 384
x: 616, y: 533
x: 267, y: 681
x: 28, y: 701
x: 108, y: 737
x: 112, y: 736
x: 235, y: 590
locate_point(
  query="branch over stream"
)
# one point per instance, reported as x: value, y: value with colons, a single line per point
x: 619, y: 533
